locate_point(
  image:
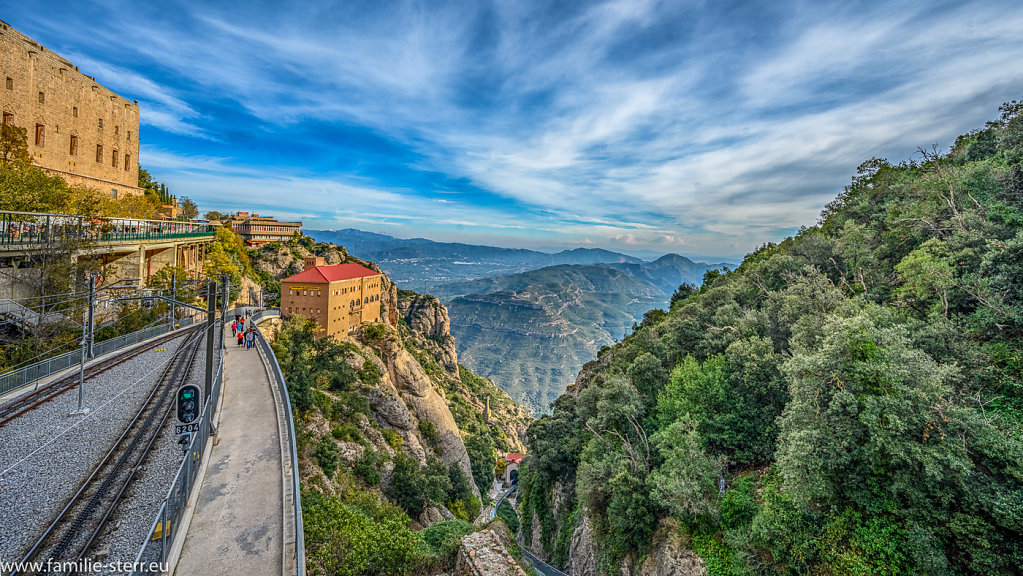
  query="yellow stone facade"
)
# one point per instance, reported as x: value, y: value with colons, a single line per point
x: 76, y: 128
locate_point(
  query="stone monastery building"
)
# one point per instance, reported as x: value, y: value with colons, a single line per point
x: 76, y: 128
x: 339, y: 297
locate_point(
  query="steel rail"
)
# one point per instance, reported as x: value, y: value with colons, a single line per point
x: 94, y: 494
x: 37, y: 398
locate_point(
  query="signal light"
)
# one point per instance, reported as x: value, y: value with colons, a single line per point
x: 188, y: 404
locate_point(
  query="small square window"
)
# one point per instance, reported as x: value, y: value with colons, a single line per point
x: 40, y: 135
x: 74, y: 111
x: 101, y: 123
x: 8, y: 119
x: 129, y: 135
x: 74, y: 146
x: 10, y: 83
x: 117, y: 130
x: 42, y: 97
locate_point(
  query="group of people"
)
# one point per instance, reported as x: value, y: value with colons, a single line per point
x: 244, y: 330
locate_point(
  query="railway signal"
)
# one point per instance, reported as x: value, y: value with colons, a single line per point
x: 188, y: 404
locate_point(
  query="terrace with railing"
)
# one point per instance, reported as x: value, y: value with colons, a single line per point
x: 33, y: 229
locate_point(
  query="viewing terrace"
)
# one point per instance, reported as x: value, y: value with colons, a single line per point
x: 27, y: 229
x: 127, y: 248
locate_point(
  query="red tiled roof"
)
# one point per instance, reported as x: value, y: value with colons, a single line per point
x: 331, y: 273
x: 514, y: 457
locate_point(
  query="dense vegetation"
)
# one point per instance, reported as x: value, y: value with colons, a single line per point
x: 363, y: 491
x: 857, y: 387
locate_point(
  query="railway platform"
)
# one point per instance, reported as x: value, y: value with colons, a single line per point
x: 238, y: 524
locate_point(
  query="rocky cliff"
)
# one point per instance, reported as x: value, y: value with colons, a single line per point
x: 393, y: 389
x: 488, y: 552
x: 669, y: 555
x: 408, y: 392
x: 429, y: 324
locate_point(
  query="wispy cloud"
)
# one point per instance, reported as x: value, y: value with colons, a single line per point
x: 671, y: 126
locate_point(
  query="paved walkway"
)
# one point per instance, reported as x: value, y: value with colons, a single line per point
x: 237, y: 524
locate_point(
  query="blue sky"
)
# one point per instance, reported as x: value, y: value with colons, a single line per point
x: 692, y: 127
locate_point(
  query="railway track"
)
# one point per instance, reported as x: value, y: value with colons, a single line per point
x: 28, y: 402
x: 79, y: 525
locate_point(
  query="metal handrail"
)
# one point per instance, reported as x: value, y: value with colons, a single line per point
x: 282, y: 387
x: 34, y: 228
x: 167, y: 522
x: 27, y: 375
x: 104, y: 218
x: 493, y: 511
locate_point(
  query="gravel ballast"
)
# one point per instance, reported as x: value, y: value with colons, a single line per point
x: 46, y: 455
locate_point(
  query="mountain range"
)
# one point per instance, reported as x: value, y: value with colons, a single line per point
x: 420, y: 264
x: 531, y: 332
x: 528, y: 320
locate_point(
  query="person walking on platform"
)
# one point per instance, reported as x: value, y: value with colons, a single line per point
x: 250, y: 338
x: 234, y: 328
x: 241, y: 337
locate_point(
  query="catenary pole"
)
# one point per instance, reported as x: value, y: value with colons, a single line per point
x: 211, y: 318
x: 223, y: 308
x: 174, y: 283
x: 86, y: 347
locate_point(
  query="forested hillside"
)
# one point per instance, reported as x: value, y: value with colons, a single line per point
x: 856, y: 388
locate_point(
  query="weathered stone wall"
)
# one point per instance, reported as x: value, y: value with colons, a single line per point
x: 67, y: 116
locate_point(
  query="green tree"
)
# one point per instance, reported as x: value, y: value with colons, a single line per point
x: 407, y: 487
x: 188, y: 208
x: 14, y: 146
x: 687, y: 478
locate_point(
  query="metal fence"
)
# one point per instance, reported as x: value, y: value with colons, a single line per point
x: 538, y: 564
x: 285, y: 401
x: 164, y: 529
x: 168, y: 520
x: 36, y: 229
x: 34, y: 372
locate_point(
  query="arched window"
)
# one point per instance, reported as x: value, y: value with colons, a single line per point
x: 352, y: 304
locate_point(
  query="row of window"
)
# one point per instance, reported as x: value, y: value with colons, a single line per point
x: 73, y: 149
x: 341, y: 291
x: 74, y: 111
x: 244, y: 228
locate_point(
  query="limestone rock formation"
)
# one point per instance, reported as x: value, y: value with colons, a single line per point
x: 420, y: 395
x: 428, y: 320
x: 485, y: 553
x: 669, y: 554
x: 582, y: 553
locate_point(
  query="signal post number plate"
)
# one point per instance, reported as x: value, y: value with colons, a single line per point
x: 182, y: 428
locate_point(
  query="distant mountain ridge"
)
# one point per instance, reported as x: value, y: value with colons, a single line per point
x: 420, y: 264
x: 532, y: 331
x: 527, y: 319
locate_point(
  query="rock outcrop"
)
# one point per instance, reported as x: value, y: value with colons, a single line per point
x: 280, y: 259
x: 485, y: 553
x: 418, y: 393
x: 582, y: 553
x: 669, y: 555
x: 428, y: 320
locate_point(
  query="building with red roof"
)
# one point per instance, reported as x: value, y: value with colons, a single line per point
x: 511, y: 467
x: 339, y: 297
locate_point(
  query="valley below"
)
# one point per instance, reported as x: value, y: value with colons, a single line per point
x: 528, y: 320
